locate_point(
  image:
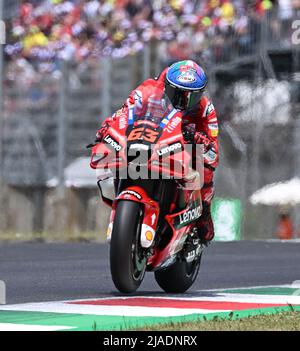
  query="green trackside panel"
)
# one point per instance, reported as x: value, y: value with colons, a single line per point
x: 227, y: 218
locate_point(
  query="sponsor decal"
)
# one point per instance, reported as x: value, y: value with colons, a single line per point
x: 209, y: 109
x: 121, y: 115
x: 174, y: 123
x: 186, y: 77
x: 214, y: 129
x: 191, y: 255
x: 214, y: 133
x: 130, y: 116
x: 210, y: 155
x: 122, y: 121
x: 189, y: 216
x: 166, y: 120
x: 112, y: 143
x: 131, y: 192
x: 167, y: 150
x: 147, y: 236
x: 213, y: 126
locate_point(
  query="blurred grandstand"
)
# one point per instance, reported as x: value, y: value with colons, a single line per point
x: 69, y: 64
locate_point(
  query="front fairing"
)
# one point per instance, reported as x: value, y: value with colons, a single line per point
x: 149, y: 134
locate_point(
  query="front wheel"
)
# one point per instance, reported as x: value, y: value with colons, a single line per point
x: 179, y: 277
x: 127, y: 259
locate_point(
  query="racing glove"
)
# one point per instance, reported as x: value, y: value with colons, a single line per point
x: 100, y: 133
x: 202, y: 138
x: 191, y: 136
x: 104, y: 128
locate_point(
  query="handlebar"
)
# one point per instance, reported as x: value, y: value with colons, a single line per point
x: 89, y: 146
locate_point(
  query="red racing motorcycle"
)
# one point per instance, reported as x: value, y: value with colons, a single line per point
x: 157, y: 177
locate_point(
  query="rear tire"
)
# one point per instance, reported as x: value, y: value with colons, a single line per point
x: 179, y: 277
x: 127, y: 264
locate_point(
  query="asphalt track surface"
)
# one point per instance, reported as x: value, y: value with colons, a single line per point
x: 35, y: 272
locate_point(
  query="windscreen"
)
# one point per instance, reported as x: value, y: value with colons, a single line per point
x: 153, y: 108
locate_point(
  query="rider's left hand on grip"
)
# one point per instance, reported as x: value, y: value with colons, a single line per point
x: 188, y: 134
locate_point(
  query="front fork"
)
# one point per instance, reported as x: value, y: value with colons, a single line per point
x: 150, y: 213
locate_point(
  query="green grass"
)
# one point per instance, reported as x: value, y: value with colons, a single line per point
x: 284, y: 321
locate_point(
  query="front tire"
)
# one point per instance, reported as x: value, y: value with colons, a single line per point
x: 127, y: 262
x: 179, y: 277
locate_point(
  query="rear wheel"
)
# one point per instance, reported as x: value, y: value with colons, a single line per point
x: 127, y: 258
x: 179, y: 277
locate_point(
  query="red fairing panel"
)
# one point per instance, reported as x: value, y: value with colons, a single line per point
x: 151, y: 207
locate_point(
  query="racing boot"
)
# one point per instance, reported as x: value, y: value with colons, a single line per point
x: 204, y: 226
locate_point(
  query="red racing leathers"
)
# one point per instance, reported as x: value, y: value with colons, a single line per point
x: 203, y: 120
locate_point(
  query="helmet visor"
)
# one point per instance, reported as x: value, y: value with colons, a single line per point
x: 182, y: 99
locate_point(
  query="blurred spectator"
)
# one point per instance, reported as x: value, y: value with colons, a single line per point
x: 285, y: 227
x: 213, y: 31
x: 49, y: 30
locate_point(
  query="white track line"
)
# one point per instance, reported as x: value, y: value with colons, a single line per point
x: 293, y: 286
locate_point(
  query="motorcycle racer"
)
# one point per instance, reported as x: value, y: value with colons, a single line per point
x: 184, y: 83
